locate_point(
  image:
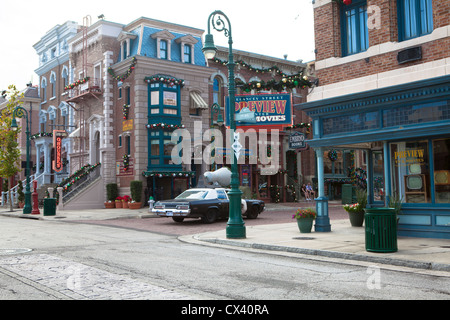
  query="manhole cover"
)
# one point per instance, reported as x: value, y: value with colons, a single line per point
x: 13, y: 251
x: 303, y: 238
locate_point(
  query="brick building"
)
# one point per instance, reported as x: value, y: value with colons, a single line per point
x: 383, y: 99
x: 253, y: 72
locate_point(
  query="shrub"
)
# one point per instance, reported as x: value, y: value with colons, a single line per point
x: 136, y: 190
x: 112, y: 191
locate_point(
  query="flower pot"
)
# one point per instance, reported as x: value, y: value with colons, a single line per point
x: 305, y: 224
x: 134, y: 205
x: 109, y: 205
x: 356, y: 218
x: 119, y: 204
x: 125, y: 204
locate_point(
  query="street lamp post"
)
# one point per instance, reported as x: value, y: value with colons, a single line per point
x: 235, y: 226
x: 20, y: 113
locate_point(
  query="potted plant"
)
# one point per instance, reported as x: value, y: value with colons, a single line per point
x: 305, y: 218
x: 136, y: 194
x: 111, y: 195
x: 119, y: 203
x: 356, y: 210
x: 125, y: 200
x: 21, y: 195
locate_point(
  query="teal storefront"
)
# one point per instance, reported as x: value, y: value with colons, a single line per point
x: 403, y: 129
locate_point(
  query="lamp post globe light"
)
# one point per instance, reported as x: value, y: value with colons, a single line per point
x: 20, y: 113
x: 235, y: 226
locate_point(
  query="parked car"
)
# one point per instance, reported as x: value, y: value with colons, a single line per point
x: 208, y: 204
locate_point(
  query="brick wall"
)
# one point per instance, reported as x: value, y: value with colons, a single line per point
x: 328, y: 41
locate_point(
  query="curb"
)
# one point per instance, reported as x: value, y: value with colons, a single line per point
x: 333, y: 254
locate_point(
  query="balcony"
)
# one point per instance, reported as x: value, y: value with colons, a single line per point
x: 83, y: 90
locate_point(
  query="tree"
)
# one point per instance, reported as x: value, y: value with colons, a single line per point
x: 9, y: 151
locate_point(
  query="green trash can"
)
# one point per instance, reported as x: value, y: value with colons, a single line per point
x: 49, y: 206
x: 381, y: 229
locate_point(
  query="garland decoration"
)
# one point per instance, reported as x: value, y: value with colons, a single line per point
x: 126, y: 74
x: 41, y: 134
x: 171, y: 81
x: 164, y: 126
x: 332, y: 155
x: 126, y: 162
x: 125, y: 110
x: 289, y: 82
x: 76, y: 83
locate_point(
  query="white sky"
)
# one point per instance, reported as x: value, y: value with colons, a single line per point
x: 267, y: 27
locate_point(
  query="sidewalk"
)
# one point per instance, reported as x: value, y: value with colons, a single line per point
x: 343, y: 242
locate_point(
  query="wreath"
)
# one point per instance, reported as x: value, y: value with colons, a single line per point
x: 332, y: 155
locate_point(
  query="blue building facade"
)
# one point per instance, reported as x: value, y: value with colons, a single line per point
x: 407, y: 125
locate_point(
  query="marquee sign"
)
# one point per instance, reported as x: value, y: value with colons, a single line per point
x: 271, y: 111
x: 58, y: 136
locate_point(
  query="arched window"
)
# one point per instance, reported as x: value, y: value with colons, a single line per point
x: 217, y: 91
x: 53, y: 83
x: 44, y: 89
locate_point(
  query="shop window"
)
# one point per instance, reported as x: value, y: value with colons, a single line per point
x: 378, y: 176
x: 410, y: 165
x: 355, y: 34
x: 441, y: 163
x: 415, y: 18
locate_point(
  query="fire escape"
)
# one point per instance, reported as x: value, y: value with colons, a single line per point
x: 86, y: 87
x: 81, y: 91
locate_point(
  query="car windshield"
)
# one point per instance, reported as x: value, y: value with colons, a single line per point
x: 193, y: 194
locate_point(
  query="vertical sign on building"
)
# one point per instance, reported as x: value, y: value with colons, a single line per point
x: 58, y: 135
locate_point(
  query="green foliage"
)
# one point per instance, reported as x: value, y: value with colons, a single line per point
x: 112, y: 191
x: 361, y: 197
x: 9, y: 151
x: 395, y: 201
x: 136, y: 190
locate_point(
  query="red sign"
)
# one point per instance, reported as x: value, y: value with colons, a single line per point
x: 58, y: 136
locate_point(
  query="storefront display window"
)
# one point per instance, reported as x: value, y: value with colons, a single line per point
x: 441, y: 156
x: 410, y: 165
x: 417, y: 175
x: 378, y: 176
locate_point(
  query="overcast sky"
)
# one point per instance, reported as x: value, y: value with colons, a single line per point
x: 272, y: 28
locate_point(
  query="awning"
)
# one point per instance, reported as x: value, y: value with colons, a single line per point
x: 197, y: 101
x: 75, y: 133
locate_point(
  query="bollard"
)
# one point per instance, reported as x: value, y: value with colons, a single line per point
x: 35, y: 199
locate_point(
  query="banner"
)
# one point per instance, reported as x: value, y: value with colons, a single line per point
x: 272, y: 111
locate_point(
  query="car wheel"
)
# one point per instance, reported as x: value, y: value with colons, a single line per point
x: 210, y: 216
x: 178, y: 219
x: 253, y: 212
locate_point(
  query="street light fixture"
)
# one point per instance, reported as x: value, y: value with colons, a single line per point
x: 20, y: 113
x: 215, y: 108
x: 235, y: 226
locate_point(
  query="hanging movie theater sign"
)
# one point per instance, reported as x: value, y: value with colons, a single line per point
x: 58, y: 136
x: 272, y: 111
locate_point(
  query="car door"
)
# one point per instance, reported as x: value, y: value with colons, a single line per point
x: 223, y: 203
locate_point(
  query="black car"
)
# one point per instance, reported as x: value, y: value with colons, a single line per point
x: 209, y: 204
